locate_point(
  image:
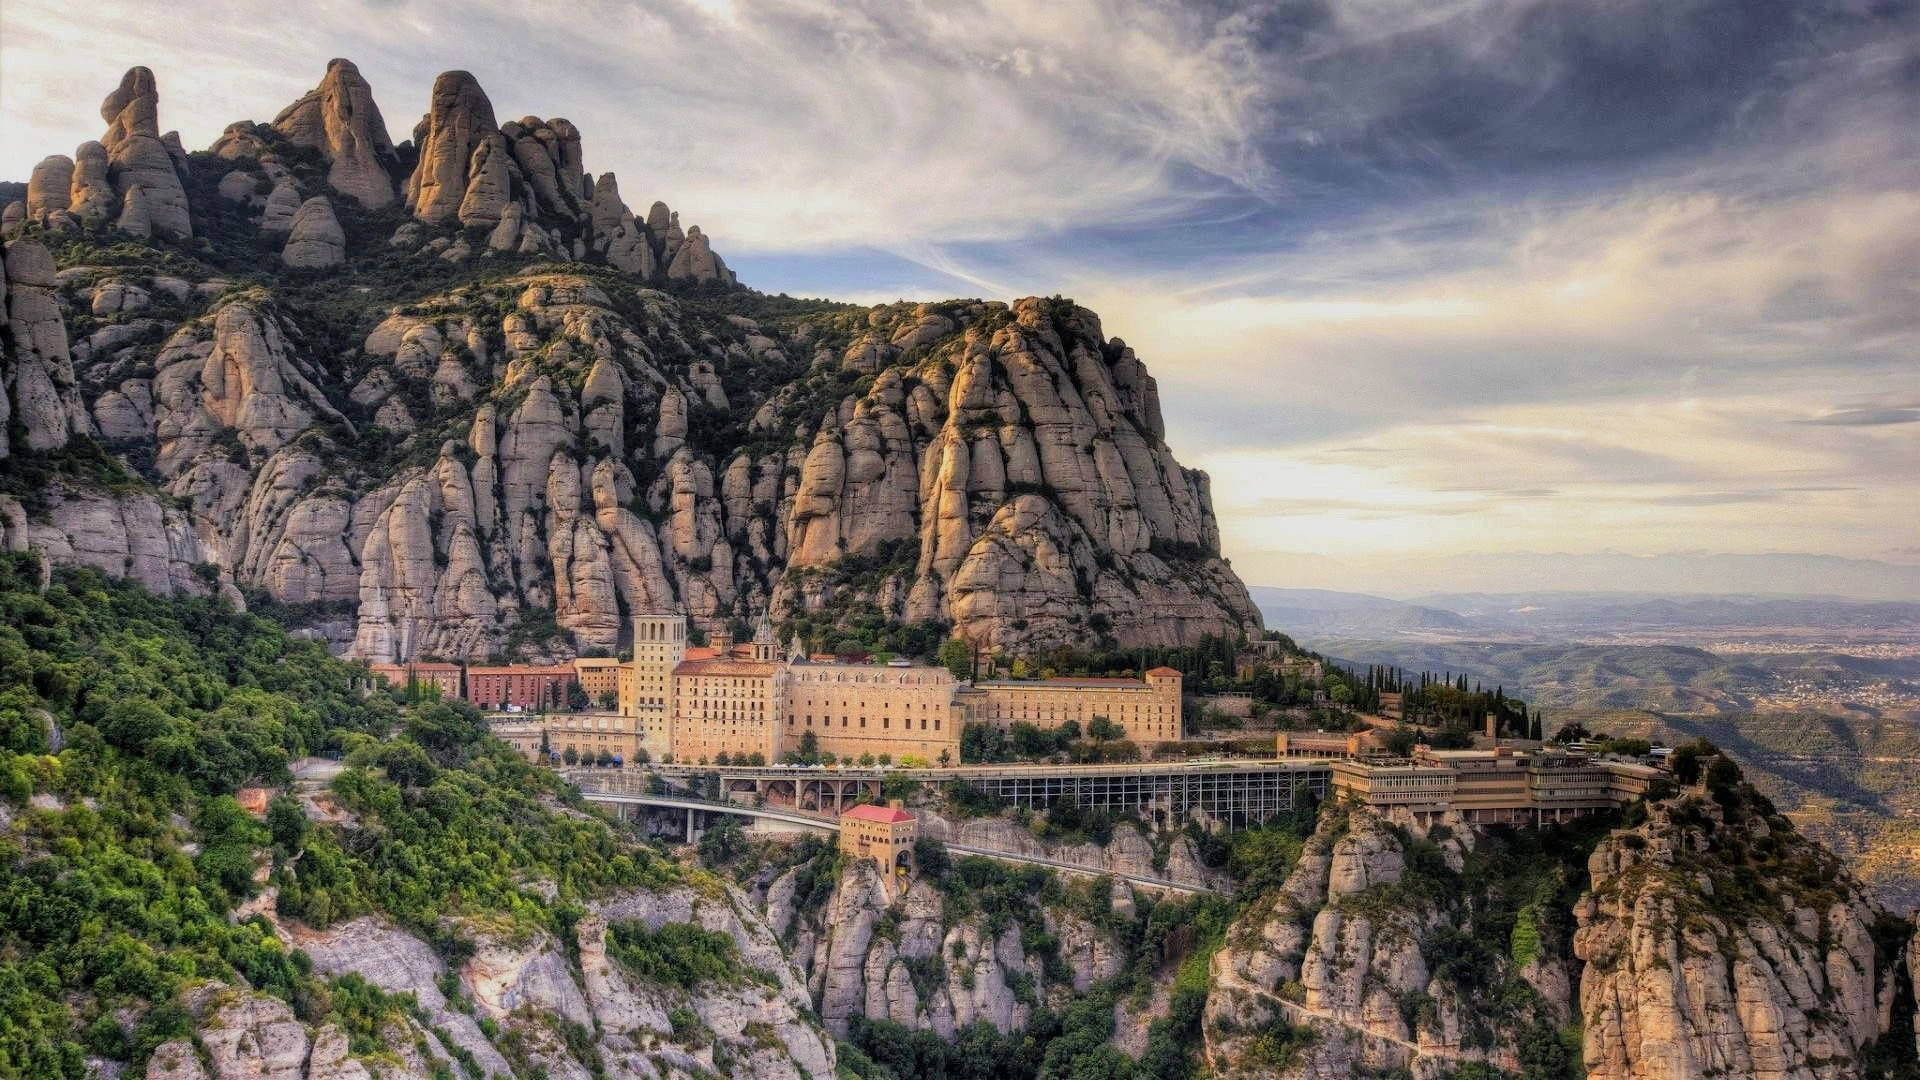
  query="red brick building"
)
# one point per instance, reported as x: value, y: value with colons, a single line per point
x: 524, y: 685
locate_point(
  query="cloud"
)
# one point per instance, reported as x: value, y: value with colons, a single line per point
x: 1868, y: 417
x: 1411, y: 275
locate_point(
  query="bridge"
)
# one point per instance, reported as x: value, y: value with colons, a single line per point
x: 1239, y: 794
x: 630, y: 791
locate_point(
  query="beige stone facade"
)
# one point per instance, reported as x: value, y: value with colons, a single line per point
x: 598, y: 676
x: 726, y: 706
x: 892, y: 709
x: 1147, y: 711
x: 696, y: 703
x: 1326, y: 744
x: 587, y: 734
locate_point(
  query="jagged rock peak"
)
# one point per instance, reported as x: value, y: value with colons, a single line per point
x: 459, y: 120
x: 340, y: 118
x: 139, y: 161
x: 133, y: 108
x: 548, y: 154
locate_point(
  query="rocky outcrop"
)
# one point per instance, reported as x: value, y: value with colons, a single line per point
x: 1129, y: 853
x: 1330, y: 974
x: 91, y: 198
x: 459, y: 122
x: 50, y: 188
x: 911, y: 960
x: 556, y: 442
x: 340, y: 119
x: 1719, y: 943
x: 522, y: 986
x: 695, y: 261
x: 315, y: 240
x: 43, y: 398
x: 139, y: 165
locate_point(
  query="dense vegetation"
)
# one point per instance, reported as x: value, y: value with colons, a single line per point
x: 128, y: 722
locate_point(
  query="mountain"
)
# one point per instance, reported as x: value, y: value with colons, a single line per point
x: 451, y: 396
x: 1575, y: 612
x: 1310, y: 612
x: 434, y: 906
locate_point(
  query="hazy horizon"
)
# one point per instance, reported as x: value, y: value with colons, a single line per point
x: 1517, y: 293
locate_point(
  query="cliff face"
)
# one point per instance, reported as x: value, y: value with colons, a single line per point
x: 1716, y: 942
x: 522, y: 1006
x: 455, y: 415
x: 1363, y: 962
x: 941, y: 956
x: 1706, y: 939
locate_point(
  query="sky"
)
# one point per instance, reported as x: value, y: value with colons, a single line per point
x: 1444, y: 294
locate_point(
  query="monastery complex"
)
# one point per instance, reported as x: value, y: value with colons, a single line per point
x: 755, y: 701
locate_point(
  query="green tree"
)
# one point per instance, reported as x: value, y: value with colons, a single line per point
x: 957, y: 656
x: 287, y: 823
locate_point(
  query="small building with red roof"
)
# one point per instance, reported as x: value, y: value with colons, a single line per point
x: 886, y: 835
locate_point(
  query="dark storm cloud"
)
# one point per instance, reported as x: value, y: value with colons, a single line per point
x: 1501, y: 90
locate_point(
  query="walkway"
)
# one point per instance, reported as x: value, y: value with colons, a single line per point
x: 827, y: 824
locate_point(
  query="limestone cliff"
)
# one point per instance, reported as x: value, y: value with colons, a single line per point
x: 946, y: 951
x: 1717, y: 942
x: 1366, y: 959
x: 1705, y: 939
x: 497, y: 411
x: 523, y: 1005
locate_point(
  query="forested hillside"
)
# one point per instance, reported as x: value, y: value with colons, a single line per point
x: 127, y: 722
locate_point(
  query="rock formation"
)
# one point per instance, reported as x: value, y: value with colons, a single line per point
x: 519, y: 995
x: 92, y: 197
x: 339, y: 118
x: 43, y: 397
x: 913, y: 960
x: 560, y: 442
x: 50, y: 189
x: 1718, y: 943
x: 1708, y: 939
x: 458, y: 123
x: 315, y: 240
x: 138, y: 161
x: 1318, y: 978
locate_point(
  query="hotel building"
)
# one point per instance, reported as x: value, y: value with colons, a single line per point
x: 1500, y: 786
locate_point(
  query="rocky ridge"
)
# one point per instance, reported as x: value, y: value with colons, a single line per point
x: 1706, y: 939
x: 538, y: 442
x: 922, y: 958
x: 1716, y: 942
x: 522, y: 1006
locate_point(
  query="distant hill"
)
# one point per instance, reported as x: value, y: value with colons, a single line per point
x: 1665, y: 677
x: 1616, y: 612
x: 1309, y: 612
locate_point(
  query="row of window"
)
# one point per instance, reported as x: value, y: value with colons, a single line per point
x: 886, y: 722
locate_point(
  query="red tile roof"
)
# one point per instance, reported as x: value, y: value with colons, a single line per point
x: 1163, y: 671
x: 886, y: 814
